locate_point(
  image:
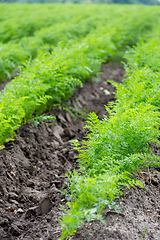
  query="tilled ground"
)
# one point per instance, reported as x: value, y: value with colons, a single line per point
x: 33, y: 167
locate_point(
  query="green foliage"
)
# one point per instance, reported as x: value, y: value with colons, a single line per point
x: 37, y: 120
x: 142, y: 85
x: 11, y: 56
x: 52, y: 78
x: 23, y: 20
x: 46, y: 39
x: 118, y: 146
x: 20, y: 44
x: 84, y: 205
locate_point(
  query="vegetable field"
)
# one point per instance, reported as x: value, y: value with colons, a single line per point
x: 79, y: 121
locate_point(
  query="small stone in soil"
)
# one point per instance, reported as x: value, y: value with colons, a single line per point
x: 45, y: 206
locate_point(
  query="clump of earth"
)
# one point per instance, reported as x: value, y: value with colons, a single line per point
x: 33, y: 168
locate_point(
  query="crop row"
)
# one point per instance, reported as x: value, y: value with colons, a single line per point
x: 119, y: 145
x: 73, y: 27
x: 23, y: 20
x: 52, y: 78
x: 46, y: 39
x: 14, y: 54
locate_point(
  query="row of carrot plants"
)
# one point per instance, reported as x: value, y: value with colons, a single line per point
x: 118, y: 146
x: 14, y: 54
x: 74, y: 27
x: 23, y: 20
x: 46, y: 39
x: 52, y: 78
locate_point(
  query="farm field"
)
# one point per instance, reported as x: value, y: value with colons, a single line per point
x: 59, y: 179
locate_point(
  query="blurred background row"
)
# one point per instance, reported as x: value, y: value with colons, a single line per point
x: 149, y: 2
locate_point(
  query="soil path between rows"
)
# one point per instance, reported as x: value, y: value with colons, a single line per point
x: 33, y: 167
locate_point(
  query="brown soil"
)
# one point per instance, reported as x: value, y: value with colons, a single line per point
x: 33, y: 167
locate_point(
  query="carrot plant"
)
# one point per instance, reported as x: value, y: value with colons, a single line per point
x: 142, y: 84
x: 118, y: 146
x: 107, y: 160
